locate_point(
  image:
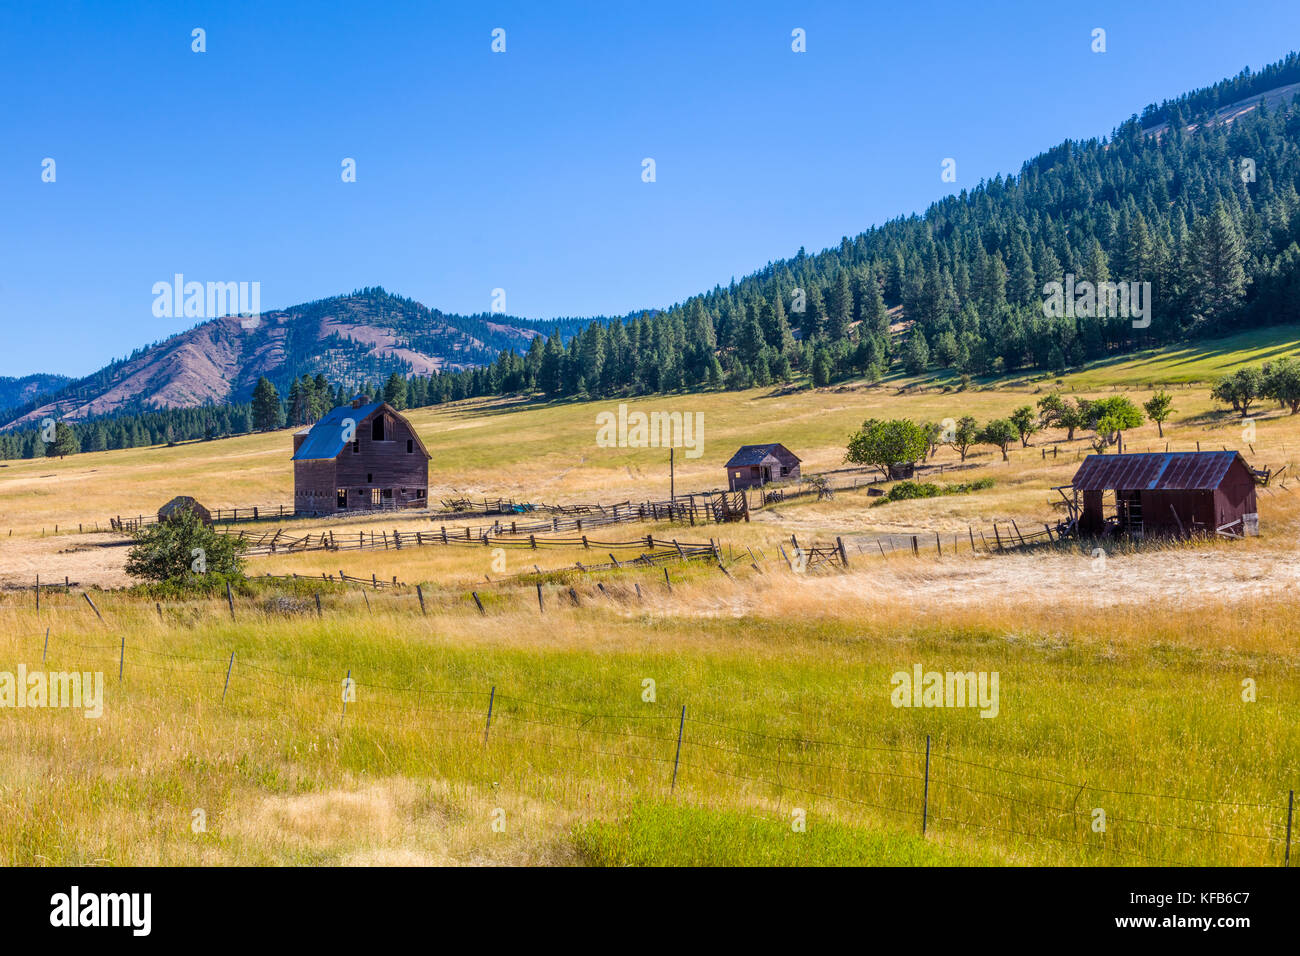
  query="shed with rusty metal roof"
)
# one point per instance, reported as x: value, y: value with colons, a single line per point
x: 1168, y: 493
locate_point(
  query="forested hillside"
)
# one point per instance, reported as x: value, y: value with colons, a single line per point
x: 1200, y: 202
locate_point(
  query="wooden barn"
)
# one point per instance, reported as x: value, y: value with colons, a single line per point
x: 754, y: 466
x: 363, y: 457
x: 1168, y: 493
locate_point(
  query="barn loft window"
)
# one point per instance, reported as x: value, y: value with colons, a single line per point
x: 377, y: 428
x: 784, y: 471
x: 410, y: 445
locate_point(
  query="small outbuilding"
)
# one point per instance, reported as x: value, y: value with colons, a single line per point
x: 1169, y: 493
x: 184, y: 503
x: 754, y: 466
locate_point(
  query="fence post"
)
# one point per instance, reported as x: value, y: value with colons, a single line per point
x: 38, y: 594
x: 668, y: 581
x: 121, y: 661
x: 46, y: 647
x: 844, y: 555
x: 677, y: 758
x: 419, y: 592
x: 478, y: 602
x: 319, y: 613
x: 92, y: 606
x: 487, y: 727
x: 925, y: 794
x: 1290, y: 805
x: 540, y: 608
x: 230, y: 599
x: 229, y: 668
x: 347, y: 686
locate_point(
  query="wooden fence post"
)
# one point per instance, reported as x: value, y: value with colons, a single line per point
x: 478, y: 602
x: 121, y: 661
x: 541, y: 609
x: 92, y: 607
x: 229, y: 668
x: 488, y: 726
x: 678, y: 756
x: 844, y: 555
x: 230, y: 600
x: 1290, y: 805
x: 46, y: 647
x: 925, y: 794
x: 419, y: 592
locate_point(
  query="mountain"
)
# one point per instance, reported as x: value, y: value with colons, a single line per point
x: 18, y: 391
x: 350, y: 339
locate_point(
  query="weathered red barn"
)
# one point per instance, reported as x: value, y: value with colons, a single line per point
x: 1167, y: 493
x: 362, y: 457
x: 756, y: 465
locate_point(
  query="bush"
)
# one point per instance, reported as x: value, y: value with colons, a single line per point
x: 183, y: 550
x: 910, y: 490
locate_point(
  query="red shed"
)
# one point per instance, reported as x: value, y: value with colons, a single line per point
x: 1169, y: 493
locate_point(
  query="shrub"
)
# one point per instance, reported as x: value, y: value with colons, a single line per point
x: 184, y: 550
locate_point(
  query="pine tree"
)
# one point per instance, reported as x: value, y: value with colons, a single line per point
x: 267, y: 413
x: 1216, y: 269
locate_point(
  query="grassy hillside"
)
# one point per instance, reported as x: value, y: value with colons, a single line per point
x: 1121, y: 677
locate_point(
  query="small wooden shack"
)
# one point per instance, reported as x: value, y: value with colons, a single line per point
x: 362, y: 457
x: 184, y: 503
x: 754, y: 466
x: 1167, y: 493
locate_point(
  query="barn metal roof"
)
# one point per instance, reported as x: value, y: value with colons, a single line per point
x: 325, y: 440
x: 1171, y: 471
x: 756, y: 454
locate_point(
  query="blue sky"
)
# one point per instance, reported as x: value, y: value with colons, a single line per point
x: 522, y: 170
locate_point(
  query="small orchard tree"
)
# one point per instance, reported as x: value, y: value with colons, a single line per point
x: 1050, y: 409
x: 1000, y: 433
x: 1111, y: 417
x: 1240, y: 389
x: 881, y: 444
x: 1073, y: 416
x: 1158, y: 408
x: 182, y: 549
x: 933, y: 438
x: 966, y: 434
x: 1282, y: 383
x: 1026, y: 423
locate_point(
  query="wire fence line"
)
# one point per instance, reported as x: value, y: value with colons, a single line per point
x: 924, y: 785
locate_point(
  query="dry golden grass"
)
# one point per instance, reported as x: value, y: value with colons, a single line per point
x: 1123, y: 675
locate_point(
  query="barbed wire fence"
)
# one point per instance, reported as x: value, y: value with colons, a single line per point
x: 916, y: 787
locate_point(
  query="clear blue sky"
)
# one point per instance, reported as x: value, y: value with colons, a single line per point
x: 522, y: 170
